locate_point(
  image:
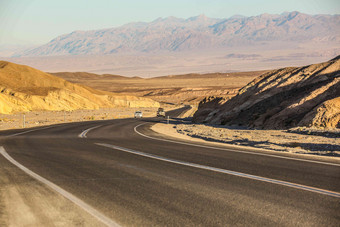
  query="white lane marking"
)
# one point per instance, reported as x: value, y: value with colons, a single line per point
x: 83, y: 133
x: 32, y: 130
x: 89, y: 209
x: 234, y: 173
x: 238, y: 151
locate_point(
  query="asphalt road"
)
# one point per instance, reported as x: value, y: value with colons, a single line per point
x: 137, y: 190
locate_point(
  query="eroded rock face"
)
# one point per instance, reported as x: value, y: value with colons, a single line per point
x: 326, y: 115
x: 284, y: 98
x: 208, y: 106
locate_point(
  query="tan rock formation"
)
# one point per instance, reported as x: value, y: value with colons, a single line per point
x: 23, y: 88
x: 325, y: 115
x: 283, y: 98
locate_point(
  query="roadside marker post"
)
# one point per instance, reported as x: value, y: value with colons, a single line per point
x: 23, y: 120
x: 168, y: 120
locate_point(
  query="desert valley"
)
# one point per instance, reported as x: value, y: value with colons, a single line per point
x: 289, y: 103
x: 195, y: 121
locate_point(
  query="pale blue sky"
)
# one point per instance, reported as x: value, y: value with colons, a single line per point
x: 39, y: 21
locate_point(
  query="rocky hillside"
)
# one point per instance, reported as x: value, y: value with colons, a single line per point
x: 195, y: 33
x: 23, y: 88
x: 281, y: 99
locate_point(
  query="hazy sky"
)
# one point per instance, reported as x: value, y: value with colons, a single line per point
x: 39, y: 21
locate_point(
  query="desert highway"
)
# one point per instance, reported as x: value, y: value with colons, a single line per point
x: 122, y: 173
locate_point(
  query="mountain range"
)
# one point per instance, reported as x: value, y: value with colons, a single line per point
x: 173, y: 34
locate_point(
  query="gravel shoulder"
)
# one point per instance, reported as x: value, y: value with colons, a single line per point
x: 26, y: 202
x: 297, y: 140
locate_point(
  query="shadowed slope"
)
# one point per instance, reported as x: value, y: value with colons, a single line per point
x: 284, y: 98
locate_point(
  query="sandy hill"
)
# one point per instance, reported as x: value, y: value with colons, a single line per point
x: 74, y: 76
x: 281, y: 99
x: 208, y: 75
x: 23, y: 88
x: 188, y: 88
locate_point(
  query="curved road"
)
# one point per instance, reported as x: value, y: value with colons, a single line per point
x: 135, y: 177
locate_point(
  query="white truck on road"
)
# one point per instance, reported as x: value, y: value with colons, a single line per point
x: 160, y: 112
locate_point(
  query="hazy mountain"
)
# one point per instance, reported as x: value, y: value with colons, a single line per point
x: 201, y: 32
x: 8, y: 50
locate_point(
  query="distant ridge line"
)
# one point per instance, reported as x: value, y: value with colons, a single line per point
x: 195, y: 33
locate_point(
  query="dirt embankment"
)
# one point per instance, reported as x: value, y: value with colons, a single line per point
x: 23, y: 89
x: 281, y: 99
x: 298, y: 140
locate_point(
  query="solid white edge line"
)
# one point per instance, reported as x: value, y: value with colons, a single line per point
x: 226, y: 149
x: 83, y: 133
x: 89, y: 209
x: 234, y: 173
x: 32, y: 130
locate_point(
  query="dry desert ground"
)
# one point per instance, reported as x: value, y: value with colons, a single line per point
x: 42, y: 118
x: 297, y: 140
x: 176, y: 89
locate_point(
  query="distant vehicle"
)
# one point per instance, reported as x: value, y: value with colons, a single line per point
x: 138, y: 114
x: 160, y: 112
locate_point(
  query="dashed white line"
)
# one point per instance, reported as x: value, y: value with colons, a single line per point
x: 83, y: 133
x: 89, y: 209
x: 225, y: 149
x: 234, y: 173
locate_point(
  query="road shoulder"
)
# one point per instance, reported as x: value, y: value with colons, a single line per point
x: 26, y: 202
x: 170, y: 131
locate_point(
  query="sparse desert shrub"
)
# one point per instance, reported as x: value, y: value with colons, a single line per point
x: 294, y: 144
x: 91, y: 118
